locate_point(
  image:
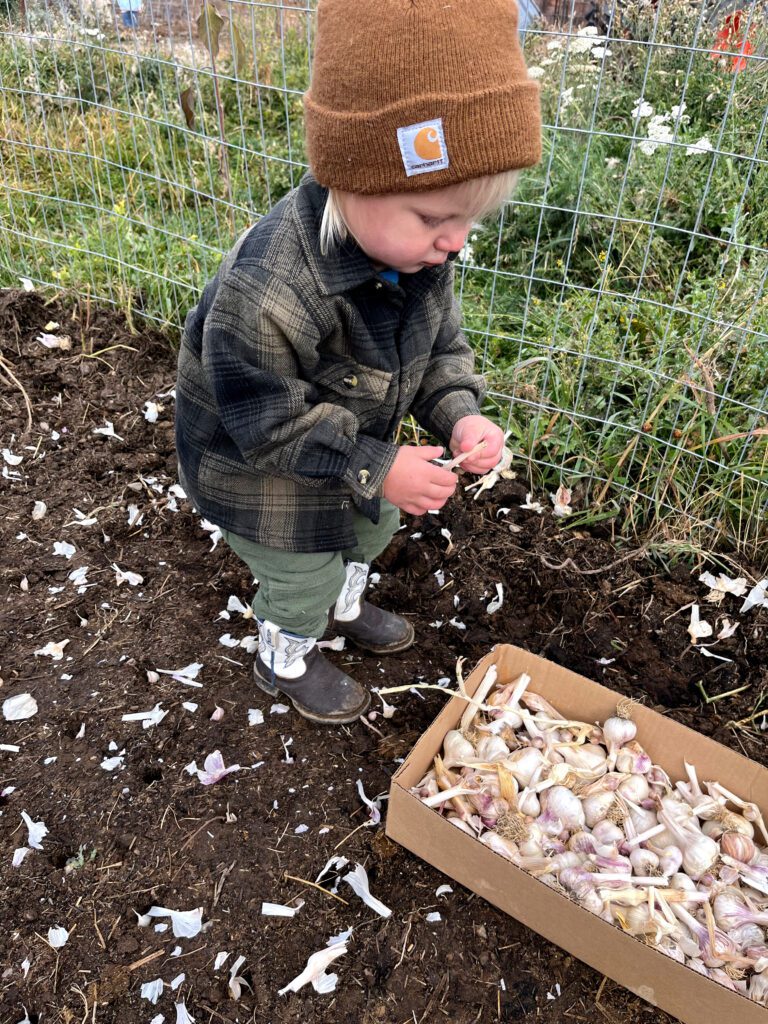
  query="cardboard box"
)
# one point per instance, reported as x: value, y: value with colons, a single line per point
x: 651, y: 975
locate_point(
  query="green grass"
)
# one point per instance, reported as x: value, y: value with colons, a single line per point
x: 621, y: 299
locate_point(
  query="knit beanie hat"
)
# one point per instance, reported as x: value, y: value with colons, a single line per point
x: 414, y: 95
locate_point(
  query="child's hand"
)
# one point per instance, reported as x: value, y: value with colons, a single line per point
x: 415, y: 484
x: 468, y: 432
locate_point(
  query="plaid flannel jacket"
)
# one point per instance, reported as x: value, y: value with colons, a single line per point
x: 294, y: 372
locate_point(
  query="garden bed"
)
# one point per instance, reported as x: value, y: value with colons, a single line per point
x: 149, y: 833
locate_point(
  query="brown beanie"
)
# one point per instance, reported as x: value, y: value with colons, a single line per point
x: 414, y: 95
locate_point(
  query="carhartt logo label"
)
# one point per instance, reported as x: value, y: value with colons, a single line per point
x: 423, y: 147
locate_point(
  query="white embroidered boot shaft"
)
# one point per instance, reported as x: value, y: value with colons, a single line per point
x: 283, y: 653
x: 350, y: 601
x: 366, y: 625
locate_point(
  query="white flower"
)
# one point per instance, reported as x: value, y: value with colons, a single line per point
x: 584, y: 40
x: 601, y: 51
x: 642, y: 109
x: 702, y: 146
x: 536, y: 71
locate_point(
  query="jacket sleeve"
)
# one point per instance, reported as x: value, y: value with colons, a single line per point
x: 276, y: 418
x: 449, y: 389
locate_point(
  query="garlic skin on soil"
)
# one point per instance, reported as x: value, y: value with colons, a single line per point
x: 681, y: 865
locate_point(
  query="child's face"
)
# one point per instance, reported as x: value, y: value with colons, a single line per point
x: 408, y: 231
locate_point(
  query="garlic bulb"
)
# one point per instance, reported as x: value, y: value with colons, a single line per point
x: 635, y: 788
x: 746, y: 935
x: 562, y: 807
x: 596, y: 807
x: 632, y: 758
x: 492, y: 748
x: 617, y: 732
x: 607, y: 832
x: 457, y: 749
x: 644, y: 862
x: 523, y: 763
x: 738, y: 846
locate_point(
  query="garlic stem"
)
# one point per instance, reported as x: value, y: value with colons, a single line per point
x: 642, y: 836
x: 447, y: 794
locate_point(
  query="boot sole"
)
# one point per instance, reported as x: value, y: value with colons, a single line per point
x: 311, y: 716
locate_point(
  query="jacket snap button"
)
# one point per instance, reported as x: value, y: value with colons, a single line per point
x: 350, y: 382
x: 363, y: 476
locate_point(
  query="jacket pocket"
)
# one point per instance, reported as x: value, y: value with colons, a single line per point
x: 352, y: 381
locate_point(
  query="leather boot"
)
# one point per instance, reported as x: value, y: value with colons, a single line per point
x: 367, y: 626
x: 293, y: 666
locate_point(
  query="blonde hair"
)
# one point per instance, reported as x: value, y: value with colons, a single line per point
x: 483, y: 197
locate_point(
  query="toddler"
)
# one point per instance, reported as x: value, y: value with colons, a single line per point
x: 334, y: 317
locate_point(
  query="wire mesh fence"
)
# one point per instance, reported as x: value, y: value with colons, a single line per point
x: 618, y: 304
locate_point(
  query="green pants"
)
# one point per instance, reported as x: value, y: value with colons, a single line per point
x: 296, y: 588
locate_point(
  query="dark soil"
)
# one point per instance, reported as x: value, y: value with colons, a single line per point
x: 120, y: 841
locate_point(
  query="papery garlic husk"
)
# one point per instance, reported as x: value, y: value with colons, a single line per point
x: 644, y: 862
x: 746, y: 935
x: 739, y: 846
x: 596, y: 807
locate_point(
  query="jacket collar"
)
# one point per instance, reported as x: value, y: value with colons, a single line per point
x: 347, y: 267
